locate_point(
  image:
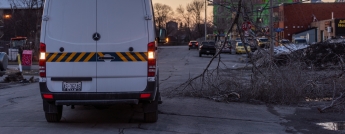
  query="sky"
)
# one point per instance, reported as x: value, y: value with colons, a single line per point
x: 175, y: 3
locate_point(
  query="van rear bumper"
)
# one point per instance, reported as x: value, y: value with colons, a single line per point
x: 96, y: 102
x: 101, y: 98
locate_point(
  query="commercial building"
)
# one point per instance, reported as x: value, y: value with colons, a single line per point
x: 298, y: 17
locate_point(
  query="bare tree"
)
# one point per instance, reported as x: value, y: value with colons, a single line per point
x: 26, y: 18
x: 186, y: 16
x: 163, y: 13
x: 195, y: 8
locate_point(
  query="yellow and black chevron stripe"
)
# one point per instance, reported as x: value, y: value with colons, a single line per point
x: 94, y: 57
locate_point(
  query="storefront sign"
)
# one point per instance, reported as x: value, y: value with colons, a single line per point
x: 339, y: 27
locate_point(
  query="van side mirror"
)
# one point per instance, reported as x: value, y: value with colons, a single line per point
x: 162, y: 36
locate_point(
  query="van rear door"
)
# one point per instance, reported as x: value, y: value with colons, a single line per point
x: 122, y: 47
x: 70, y: 48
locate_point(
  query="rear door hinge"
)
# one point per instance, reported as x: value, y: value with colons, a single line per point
x: 45, y: 18
x: 148, y: 17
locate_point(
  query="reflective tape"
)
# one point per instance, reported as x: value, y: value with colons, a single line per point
x: 94, y: 56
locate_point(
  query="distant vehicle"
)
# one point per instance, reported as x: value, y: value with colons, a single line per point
x: 171, y: 40
x: 212, y: 37
x: 240, y: 48
x: 208, y: 48
x: 263, y: 42
x: 253, y: 47
x: 252, y: 44
x: 193, y: 44
x: 283, y: 42
x: 227, y: 48
x: 238, y: 40
x: 299, y: 40
x: 17, y: 44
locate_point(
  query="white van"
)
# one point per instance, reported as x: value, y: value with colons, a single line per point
x: 98, y: 52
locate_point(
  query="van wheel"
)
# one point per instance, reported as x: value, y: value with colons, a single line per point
x: 151, y: 116
x: 188, y: 48
x: 199, y: 54
x: 54, y: 117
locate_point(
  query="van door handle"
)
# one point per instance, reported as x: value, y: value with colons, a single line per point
x: 106, y: 58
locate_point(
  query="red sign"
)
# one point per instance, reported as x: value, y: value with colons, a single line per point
x: 246, y: 25
x: 27, y: 58
x: 249, y: 25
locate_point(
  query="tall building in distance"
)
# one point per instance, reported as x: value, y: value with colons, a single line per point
x: 224, y: 12
x: 222, y: 15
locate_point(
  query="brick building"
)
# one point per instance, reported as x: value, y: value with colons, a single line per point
x: 296, y: 18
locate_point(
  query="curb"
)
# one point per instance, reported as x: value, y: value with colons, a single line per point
x: 16, y: 63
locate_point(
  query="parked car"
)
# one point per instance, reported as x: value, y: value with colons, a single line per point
x: 238, y: 39
x: 208, y: 48
x: 283, y: 42
x: 253, y: 46
x: 299, y: 41
x: 227, y: 48
x: 240, y: 48
x: 193, y: 44
x: 263, y: 42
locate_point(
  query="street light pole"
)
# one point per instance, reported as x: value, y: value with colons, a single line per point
x: 271, y: 29
x: 205, y: 19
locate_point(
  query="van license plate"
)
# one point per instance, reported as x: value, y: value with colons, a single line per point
x: 71, y: 86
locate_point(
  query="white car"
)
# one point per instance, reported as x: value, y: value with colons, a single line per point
x: 98, y: 52
x: 226, y: 49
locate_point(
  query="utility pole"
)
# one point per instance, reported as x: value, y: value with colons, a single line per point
x: 271, y: 30
x: 205, y: 19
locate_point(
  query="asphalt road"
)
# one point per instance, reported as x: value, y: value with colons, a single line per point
x: 21, y: 108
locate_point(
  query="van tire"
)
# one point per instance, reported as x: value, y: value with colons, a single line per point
x: 152, y: 116
x: 54, y: 117
x: 199, y: 54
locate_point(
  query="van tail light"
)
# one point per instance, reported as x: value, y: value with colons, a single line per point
x: 47, y: 96
x: 42, y: 60
x: 196, y: 44
x: 151, y: 69
x: 145, y: 95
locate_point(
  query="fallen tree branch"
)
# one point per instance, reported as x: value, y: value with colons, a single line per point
x: 333, y: 101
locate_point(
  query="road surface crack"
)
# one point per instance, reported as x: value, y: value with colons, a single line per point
x: 11, y: 100
x: 167, y: 78
x: 200, y: 116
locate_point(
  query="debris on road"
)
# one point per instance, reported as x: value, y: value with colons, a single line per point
x: 317, y: 55
x: 13, y: 75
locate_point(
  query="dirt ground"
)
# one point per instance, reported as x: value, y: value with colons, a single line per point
x: 307, y: 118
